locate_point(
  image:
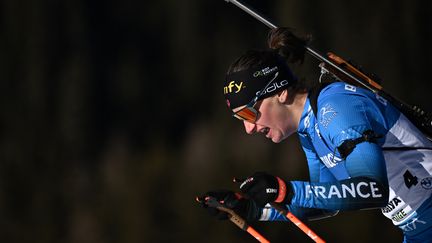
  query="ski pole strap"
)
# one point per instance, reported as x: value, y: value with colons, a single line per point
x: 298, y: 223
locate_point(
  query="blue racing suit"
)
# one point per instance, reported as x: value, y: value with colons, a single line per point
x: 392, y: 172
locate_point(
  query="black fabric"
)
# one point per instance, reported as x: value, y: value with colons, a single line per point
x: 313, y: 96
x: 263, y: 188
x: 241, y: 87
x: 245, y: 208
x: 348, y: 145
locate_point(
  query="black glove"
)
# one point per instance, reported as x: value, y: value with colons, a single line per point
x: 245, y: 208
x: 264, y: 188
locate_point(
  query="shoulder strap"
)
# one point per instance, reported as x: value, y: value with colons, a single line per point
x: 313, y: 96
x: 348, y: 146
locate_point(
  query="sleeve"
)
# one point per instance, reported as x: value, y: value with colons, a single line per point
x: 317, y: 170
x: 367, y: 185
x: 317, y: 173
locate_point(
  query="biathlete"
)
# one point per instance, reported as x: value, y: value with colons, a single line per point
x: 361, y: 151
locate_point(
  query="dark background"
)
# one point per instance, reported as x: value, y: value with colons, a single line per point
x: 113, y: 119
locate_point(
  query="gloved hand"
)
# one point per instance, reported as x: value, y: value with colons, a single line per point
x: 264, y: 188
x: 245, y: 208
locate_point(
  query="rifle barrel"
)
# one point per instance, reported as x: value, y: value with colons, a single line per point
x: 252, y: 12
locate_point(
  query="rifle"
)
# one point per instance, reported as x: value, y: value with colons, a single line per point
x: 345, y: 71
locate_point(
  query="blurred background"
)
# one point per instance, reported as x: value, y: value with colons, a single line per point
x: 113, y: 118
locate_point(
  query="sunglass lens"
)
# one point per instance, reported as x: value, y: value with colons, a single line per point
x: 248, y: 114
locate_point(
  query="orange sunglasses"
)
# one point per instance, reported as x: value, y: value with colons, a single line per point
x: 249, y: 113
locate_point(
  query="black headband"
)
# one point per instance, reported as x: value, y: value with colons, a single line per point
x: 241, y: 87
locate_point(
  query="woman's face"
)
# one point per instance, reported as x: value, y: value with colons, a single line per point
x: 274, y: 120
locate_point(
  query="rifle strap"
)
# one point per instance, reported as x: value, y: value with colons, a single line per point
x: 313, y: 96
x: 348, y: 146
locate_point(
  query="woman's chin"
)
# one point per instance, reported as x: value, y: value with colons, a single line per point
x: 276, y: 139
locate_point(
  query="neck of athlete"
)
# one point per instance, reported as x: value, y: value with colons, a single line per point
x: 297, y: 107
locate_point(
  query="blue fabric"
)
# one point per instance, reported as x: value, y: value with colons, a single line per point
x: 358, y: 181
x: 344, y: 116
x: 419, y: 229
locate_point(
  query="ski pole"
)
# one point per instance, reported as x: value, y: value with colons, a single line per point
x: 291, y: 217
x: 233, y: 217
x: 297, y: 222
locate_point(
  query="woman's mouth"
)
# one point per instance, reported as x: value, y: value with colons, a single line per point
x: 266, y: 131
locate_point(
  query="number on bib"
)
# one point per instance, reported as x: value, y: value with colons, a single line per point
x: 410, y: 179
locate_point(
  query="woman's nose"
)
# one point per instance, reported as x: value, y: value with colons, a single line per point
x: 249, y: 127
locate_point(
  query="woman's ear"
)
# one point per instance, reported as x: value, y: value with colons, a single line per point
x: 283, y: 96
